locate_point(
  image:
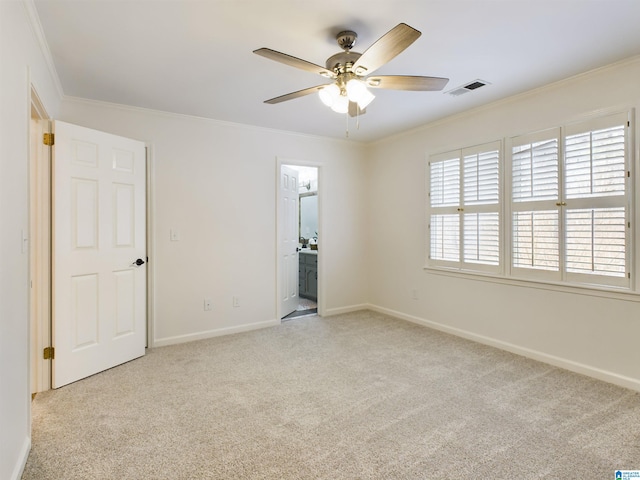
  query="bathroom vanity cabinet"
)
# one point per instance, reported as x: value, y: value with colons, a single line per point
x: 308, y: 274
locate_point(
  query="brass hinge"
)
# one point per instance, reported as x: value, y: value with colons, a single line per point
x: 49, y: 139
x: 49, y: 353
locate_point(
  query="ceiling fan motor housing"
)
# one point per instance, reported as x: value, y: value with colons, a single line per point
x: 342, y: 62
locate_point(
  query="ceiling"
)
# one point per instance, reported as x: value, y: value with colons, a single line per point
x: 195, y: 57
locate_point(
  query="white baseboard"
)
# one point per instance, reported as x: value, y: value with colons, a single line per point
x: 22, y: 460
x: 604, y: 375
x: 218, y: 332
x: 351, y: 308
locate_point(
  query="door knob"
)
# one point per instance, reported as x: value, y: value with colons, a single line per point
x: 138, y: 262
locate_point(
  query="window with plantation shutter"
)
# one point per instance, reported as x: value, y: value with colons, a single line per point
x: 480, y: 206
x: 596, y: 202
x: 562, y: 215
x: 444, y: 199
x: 535, y: 190
x: 464, y: 209
x: 569, y: 203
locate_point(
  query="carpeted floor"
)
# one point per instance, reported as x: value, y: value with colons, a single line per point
x: 356, y: 396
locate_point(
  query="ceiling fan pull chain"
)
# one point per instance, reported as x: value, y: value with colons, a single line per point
x: 346, y: 133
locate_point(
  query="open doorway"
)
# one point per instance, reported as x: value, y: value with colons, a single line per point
x: 303, y: 254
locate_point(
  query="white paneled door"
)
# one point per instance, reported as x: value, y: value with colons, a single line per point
x: 289, y: 267
x: 99, y: 246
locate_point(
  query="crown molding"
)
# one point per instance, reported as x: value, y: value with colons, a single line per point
x: 38, y: 32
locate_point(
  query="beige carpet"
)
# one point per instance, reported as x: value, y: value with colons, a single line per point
x: 356, y: 396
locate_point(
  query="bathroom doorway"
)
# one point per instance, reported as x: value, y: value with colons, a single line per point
x: 306, y: 252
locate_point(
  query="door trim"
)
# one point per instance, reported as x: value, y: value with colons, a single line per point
x: 150, y: 199
x: 321, y: 277
x: 39, y: 245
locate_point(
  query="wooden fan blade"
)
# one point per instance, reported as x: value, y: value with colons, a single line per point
x: 407, y: 82
x: 294, y: 62
x: 355, y: 110
x: 387, y: 47
x: 292, y: 95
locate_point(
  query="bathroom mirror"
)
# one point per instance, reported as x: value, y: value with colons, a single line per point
x: 309, y: 215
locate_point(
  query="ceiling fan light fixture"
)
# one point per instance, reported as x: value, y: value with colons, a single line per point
x: 358, y: 92
x: 329, y: 94
x: 363, y: 103
x: 356, y: 89
x: 341, y: 104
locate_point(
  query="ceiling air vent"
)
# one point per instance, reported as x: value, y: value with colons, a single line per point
x: 468, y: 87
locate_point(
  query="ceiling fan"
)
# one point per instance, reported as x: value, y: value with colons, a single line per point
x: 351, y: 71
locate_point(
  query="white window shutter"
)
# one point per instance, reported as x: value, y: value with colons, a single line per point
x: 445, y: 182
x: 481, y: 178
x: 535, y: 240
x: 482, y: 238
x: 445, y: 241
x: 535, y: 190
x: 535, y: 171
x: 596, y: 241
x: 595, y: 163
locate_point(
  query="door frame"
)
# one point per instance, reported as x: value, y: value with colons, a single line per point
x: 39, y: 245
x: 40, y: 330
x: 280, y: 161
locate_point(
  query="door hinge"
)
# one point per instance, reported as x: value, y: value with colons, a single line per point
x: 49, y: 353
x: 49, y: 139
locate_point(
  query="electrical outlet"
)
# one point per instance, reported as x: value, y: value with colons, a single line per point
x: 174, y: 235
x: 236, y: 301
x: 414, y: 294
x: 207, y: 304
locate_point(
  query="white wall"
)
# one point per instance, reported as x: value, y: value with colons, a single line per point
x: 591, y: 334
x: 20, y: 60
x: 216, y: 184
